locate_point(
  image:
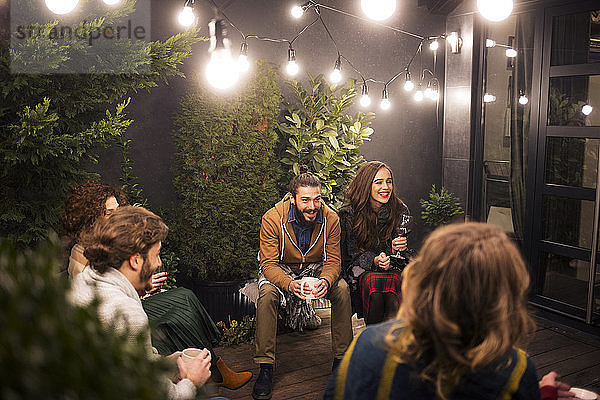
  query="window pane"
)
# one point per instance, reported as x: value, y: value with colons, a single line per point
x: 565, y: 279
x: 568, y: 221
x: 574, y: 101
x: 572, y: 161
x: 576, y: 38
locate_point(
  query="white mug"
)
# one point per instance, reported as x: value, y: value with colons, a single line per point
x: 308, y: 283
x: 189, y: 354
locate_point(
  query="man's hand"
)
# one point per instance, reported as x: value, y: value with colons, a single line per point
x: 321, y: 288
x: 295, y: 287
x: 551, y: 379
x: 399, y: 244
x: 382, y: 261
x: 157, y: 281
x: 196, y: 370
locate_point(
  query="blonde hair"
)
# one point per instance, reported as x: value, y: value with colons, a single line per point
x: 464, y: 303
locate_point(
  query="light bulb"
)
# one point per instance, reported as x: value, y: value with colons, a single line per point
x: 222, y: 71
x: 418, y: 95
x: 243, y: 64
x: 488, y: 98
x: 111, y: 2
x: 292, y: 68
x: 455, y: 42
x: 434, y: 45
x: 428, y: 92
x: 297, y: 11
x: 378, y: 9
x: 186, y: 16
x: 490, y: 43
x: 409, y: 85
x: 495, y: 10
x: 511, y: 53
x: 385, y: 104
x: 587, y: 109
x: 335, y: 76
x: 523, y: 100
x: 365, y: 100
x: 435, y: 95
x: 61, y: 6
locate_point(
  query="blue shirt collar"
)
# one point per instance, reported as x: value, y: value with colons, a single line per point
x: 292, y: 215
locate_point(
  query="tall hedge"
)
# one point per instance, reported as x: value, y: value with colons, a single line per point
x: 225, y: 175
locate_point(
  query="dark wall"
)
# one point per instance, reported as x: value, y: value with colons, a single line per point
x: 408, y: 136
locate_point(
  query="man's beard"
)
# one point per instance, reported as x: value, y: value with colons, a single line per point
x: 301, y: 220
x: 146, y: 274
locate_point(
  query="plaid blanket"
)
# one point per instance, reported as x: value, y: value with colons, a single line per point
x: 379, y: 282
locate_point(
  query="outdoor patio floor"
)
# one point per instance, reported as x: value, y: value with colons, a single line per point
x: 304, y: 359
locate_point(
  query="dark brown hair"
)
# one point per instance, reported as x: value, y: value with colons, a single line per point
x: 128, y: 231
x: 464, y: 301
x: 85, y: 204
x: 304, y: 178
x: 358, y: 196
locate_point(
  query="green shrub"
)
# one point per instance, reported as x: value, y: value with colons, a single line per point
x: 321, y: 135
x: 238, y: 331
x: 440, y: 207
x: 225, y: 176
x: 50, y: 349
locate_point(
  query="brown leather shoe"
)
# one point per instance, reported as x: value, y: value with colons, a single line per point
x: 232, y: 380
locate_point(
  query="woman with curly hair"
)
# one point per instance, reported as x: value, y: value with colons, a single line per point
x: 86, y: 203
x: 463, y: 313
x: 369, y: 242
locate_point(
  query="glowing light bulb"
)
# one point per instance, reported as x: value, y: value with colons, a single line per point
x: 490, y: 43
x: 365, y: 100
x: 409, y: 85
x: 511, y: 53
x: 243, y: 64
x: 455, y: 42
x: 488, y: 98
x: 297, y: 11
x: 61, y: 6
x: 495, y: 10
x: 335, y: 76
x: 186, y: 16
x: 221, y: 71
x: 428, y: 92
x: 111, y: 2
x: 385, y: 104
x: 587, y: 109
x: 378, y: 9
x: 418, y: 95
x: 433, y: 46
x: 523, y: 100
x: 292, y: 68
x: 435, y: 95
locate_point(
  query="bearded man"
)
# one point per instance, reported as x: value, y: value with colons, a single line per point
x: 299, y: 237
x: 124, y: 252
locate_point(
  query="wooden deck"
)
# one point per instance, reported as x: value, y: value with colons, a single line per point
x: 304, y: 359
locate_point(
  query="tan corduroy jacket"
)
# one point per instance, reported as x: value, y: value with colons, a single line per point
x: 278, y: 245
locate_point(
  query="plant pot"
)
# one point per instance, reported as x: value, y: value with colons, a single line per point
x: 222, y: 300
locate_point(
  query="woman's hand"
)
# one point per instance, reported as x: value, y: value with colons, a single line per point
x: 382, y: 261
x: 157, y: 281
x: 399, y: 244
x: 197, y: 370
x: 551, y: 379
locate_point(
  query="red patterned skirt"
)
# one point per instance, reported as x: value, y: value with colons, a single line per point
x: 379, y: 282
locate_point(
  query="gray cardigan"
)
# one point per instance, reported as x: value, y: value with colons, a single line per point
x: 121, y: 305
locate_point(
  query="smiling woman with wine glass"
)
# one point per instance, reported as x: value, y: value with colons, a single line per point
x: 375, y: 223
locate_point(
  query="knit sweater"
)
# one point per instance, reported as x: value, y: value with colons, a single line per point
x: 121, y: 306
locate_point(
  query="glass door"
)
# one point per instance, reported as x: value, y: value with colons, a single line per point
x: 567, y: 184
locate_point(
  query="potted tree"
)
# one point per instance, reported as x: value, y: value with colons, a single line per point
x: 440, y: 207
x: 225, y: 178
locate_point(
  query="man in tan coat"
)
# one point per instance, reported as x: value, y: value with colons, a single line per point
x: 299, y: 237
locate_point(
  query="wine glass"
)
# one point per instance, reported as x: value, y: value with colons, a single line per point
x: 402, y: 229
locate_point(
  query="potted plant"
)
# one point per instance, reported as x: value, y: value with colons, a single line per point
x: 225, y: 179
x: 440, y: 207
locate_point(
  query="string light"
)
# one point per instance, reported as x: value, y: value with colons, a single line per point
x: 489, y: 98
x: 61, y: 6
x: 522, y: 98
x: 490, y: 43
x: 336, y: 74
x: 408, y: 84
x: 378, y: 10
x: 186, y: 16
x: 433, y: 46
x: 511, y: 53
x: 292, y: 67
x: 419, y: 94
x: 297, y: 11
x: 385, y: 101
x: 365, y: 100
x: 221, y: 70
x: 243, y: 64
x: 587, y: 109
x: 495, y: 10
x: 455, y: 42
